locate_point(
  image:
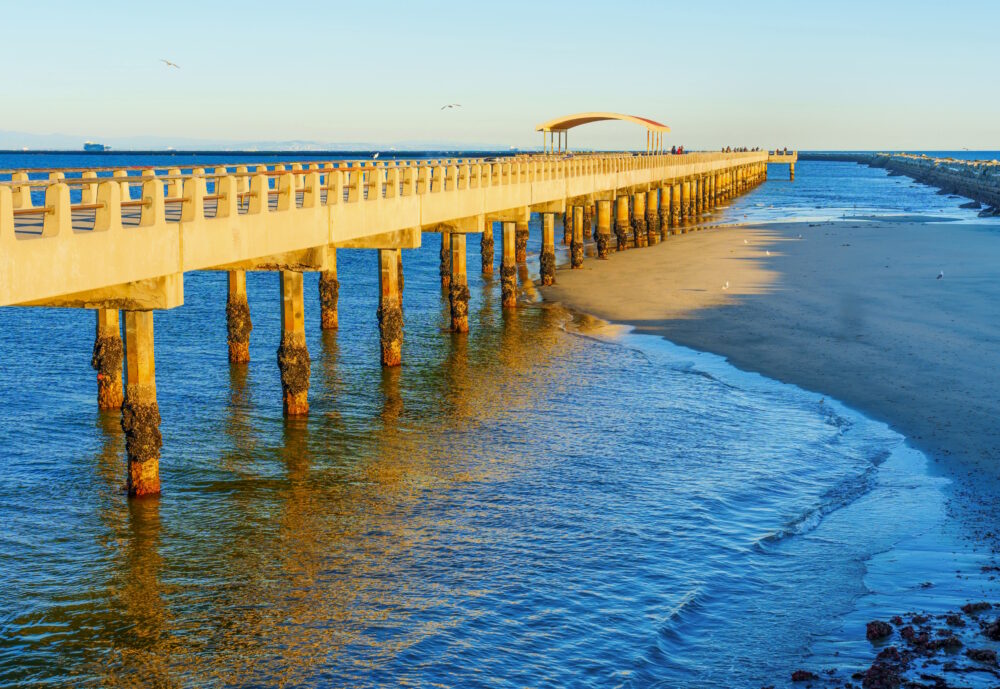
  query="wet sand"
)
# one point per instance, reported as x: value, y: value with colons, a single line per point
x: 852, y: 309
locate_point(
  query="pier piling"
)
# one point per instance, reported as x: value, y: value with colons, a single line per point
x: 238, y: 322
x: 140, y: 411
x: 547, y: 257
x: 458, y: 293
x: 521, y: 242
x: 603, y: 228
x: 445, y: 268
x: 576, y: 246
x: 390, y: 311
x: 329, y: 293
x: 652, y: 217
x: 293, y: 355
x: 508, y: 269
x: 109, y: 351
x: 639, y: 219
x: 486, y: 248
x: 621, y: 223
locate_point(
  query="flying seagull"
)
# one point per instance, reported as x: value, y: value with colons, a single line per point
x: 451, y: 105
x: 375, y: 155
x: 168, y: 63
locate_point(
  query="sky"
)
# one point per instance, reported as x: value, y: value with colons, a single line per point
x: 807, y: 75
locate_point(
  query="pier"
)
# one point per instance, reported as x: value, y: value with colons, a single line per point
x: 120, y: 241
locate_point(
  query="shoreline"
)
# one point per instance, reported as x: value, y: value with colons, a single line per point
x: 902, y: 330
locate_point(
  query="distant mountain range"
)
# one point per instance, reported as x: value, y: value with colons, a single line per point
x: 15, y: 141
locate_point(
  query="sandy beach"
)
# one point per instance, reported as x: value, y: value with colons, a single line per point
x: 849, y: 309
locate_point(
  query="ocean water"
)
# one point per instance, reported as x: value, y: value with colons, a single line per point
x: 546, y: 502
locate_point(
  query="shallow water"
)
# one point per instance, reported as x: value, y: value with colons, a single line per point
x: 544, y: 502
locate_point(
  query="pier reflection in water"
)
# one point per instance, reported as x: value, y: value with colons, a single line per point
x: 522, y: 505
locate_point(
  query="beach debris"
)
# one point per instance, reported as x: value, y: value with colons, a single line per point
x: 877, y: 629
x: 940, y: 275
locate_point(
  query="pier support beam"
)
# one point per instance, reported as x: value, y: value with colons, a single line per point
x: 458, y: 293
x: 508, y: 268
x: 547, y: 258
x: 567, y: 226
x: 791, y: 172
x: 603, y: 228
x: 390, y: 308
x: 621, y: 223
x: 444, y: 270
x: 486, y: 248
x: 664, y: 211
x: 293, y: 355
x: 576, y: 246
x: 588, y: 221
x: 675, y: 208
x: 107, y: 360
x: 639, y: 218
x: 652, y: 217
x: 140, y: 411
x: 686, y: 202
x: 521, y: 242
x: 238, y: 323
x: 699, y: 196
x: 329, y: 294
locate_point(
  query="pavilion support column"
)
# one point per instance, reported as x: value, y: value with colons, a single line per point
x: 621, y: 222
x: 486, y: 248
x: 293, y: 355
x: 652, y: 217
x: 675, y: 207
x: 329, y: 294
x: 390, y: 307
x: 107, y: 360
x: 576, y: 246
x: 238, y: 323
x: 603, y: 228
x: 664, y: 212
x: 140, y: 411
x: 508, y: 268
x: 458, y: 293
x: 521, y: 242
x: 444, y: 270
x: 639, y: 218
x: 547, y: 258
x: 568, y: 226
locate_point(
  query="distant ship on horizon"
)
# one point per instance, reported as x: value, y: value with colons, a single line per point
x: 92, y: 147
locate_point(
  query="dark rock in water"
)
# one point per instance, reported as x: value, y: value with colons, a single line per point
x: 991, y: 629
x: 885, y: 672
x: 955, y: 620
x: 877, y: 630
x: 982, y: 655
x: 990, y: 212
x: 803, y: 676
x: 972, y: 204
x: 943, y: 192
x: 973, y: 608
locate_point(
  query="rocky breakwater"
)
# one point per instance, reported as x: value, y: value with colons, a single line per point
x: 978, y: 180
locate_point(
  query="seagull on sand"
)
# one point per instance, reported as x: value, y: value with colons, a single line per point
x: 726, y: 286
x: 451, y: 105
x: 168, y: 63
x: 768, y: 253
x: 940, y: 275
x: 744, y: 241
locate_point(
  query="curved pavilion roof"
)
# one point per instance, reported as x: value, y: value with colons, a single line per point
x: 561, y: 124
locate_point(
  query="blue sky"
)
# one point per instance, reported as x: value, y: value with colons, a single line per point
x: 802, y: 74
